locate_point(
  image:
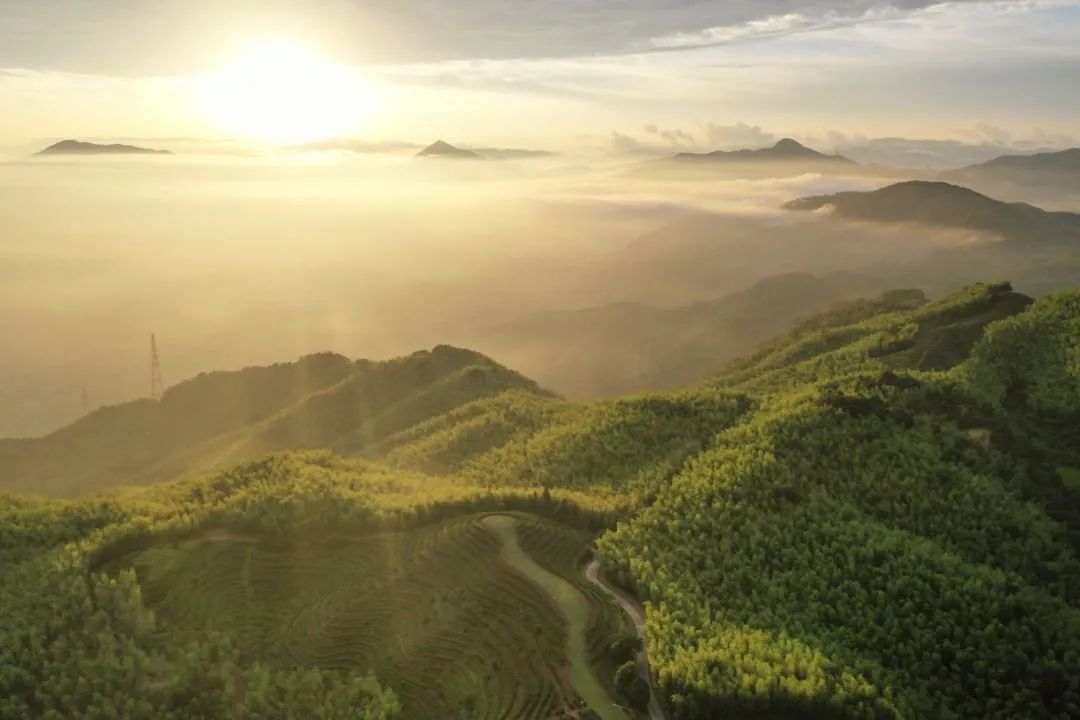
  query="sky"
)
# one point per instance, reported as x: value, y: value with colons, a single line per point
x: 612, y: 75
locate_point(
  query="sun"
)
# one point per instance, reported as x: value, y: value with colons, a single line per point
x: 278, y: 92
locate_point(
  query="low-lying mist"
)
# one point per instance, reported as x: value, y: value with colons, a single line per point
x: 235, y: 262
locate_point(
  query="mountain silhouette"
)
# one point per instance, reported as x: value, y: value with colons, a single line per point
x: 944, y: 205
x: 784, y: 159
x: 1049, y: 174
x: 77, y: 147
x: 440, y: 148
x: 786, y: 150
x: 1062, y: 160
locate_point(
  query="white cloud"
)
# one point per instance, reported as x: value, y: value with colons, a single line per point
x: 767, y: 27
x: 170, y: 36
x: 739, y: 135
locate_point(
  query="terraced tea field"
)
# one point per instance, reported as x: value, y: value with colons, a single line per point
x: 437, y: 613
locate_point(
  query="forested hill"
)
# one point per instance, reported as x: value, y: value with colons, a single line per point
x: 872, y: 516
x: 878, y: 540
x: 220, y: 418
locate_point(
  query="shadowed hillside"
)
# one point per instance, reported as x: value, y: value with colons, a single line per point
x: 630, y: 347
x: 945, y: 205
x: 1034, y: 247
x: 1051, y: 179
x: 219, y: 418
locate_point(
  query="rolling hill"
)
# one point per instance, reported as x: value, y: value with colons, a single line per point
x: 871, y: 515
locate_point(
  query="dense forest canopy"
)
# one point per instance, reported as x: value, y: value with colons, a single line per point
x: 871, y: 516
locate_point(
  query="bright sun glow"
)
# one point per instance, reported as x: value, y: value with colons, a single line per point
x: 281, y: 93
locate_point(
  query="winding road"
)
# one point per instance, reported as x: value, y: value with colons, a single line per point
x: 637, y: 617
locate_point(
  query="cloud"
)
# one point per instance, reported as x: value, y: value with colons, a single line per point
x: 176, y: 36
x: 628, y: 144
x: 768, y: 27
x: 991, y: 133
x: 768, y: 24
x: 976, y: 144
x: 673, y: 137
x: 737, y: 136
x: 703, y: 136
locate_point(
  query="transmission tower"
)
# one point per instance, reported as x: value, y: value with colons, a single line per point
x: 157, y: 385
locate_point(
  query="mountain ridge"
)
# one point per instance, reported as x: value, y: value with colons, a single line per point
x: 1059, y: 159
x: 219, y: 418
x: 944, y: 205
x: 784, y: 150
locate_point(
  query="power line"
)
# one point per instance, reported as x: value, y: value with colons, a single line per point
x: 157, y: 385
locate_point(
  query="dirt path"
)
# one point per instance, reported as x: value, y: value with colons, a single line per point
x: 637, y: 617
x: 574, y: 606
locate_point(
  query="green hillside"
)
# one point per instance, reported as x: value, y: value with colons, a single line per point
x: 873, y: 515
x: 276, y: 587
x: 432, y: 611
x: 870, y: 555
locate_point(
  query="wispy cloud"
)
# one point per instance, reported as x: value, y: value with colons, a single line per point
x: 768, y: 27
x: 824, y: 17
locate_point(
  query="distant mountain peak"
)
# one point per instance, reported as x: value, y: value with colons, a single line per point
x: 786, y: 149
x: 78, y: 147
x: 441, y: 148
x: 788, y: 144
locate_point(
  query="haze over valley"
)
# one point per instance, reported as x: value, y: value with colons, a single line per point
x: 245, y: 261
